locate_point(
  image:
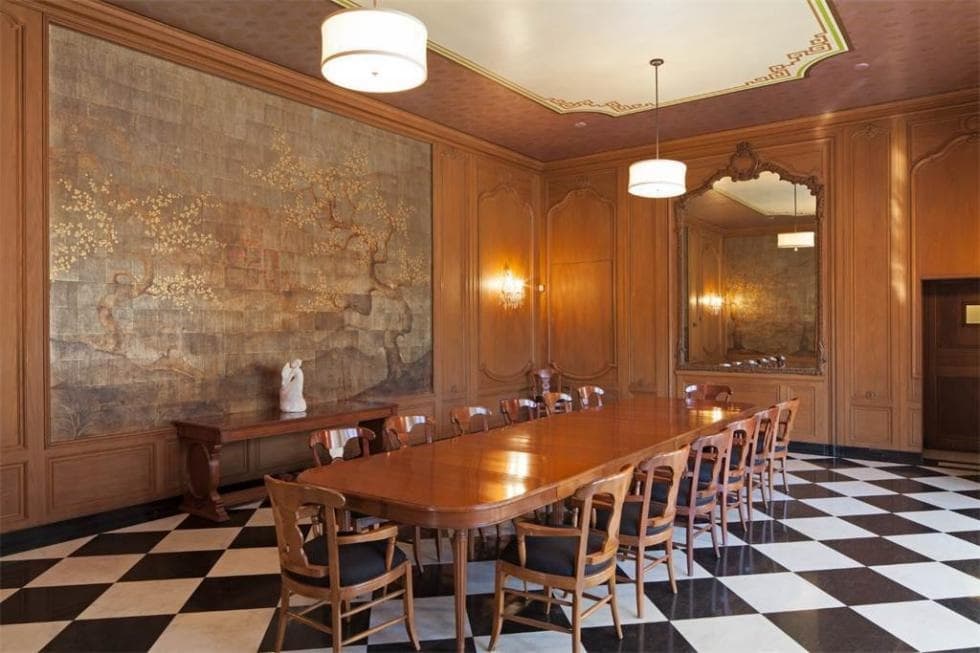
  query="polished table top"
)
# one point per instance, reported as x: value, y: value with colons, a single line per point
x: 486, y: 478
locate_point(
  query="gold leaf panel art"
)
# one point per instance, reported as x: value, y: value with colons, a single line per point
x: 202, y: 232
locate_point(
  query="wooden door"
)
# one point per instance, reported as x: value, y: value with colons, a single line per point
x: 951, y: 369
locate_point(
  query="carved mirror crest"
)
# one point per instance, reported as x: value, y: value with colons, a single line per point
x: 750, y: 277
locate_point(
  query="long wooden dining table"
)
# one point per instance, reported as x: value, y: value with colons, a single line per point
x: 488, y: 478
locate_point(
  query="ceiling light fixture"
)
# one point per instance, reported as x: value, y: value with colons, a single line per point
x: 795, y: 239
x: 374, y: 50
x: 657, y: 177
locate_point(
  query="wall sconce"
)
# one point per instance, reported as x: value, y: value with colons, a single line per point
x: 712, y: 303
x: 511, y: 290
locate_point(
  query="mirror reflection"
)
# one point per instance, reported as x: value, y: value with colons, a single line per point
x: 751, y: 272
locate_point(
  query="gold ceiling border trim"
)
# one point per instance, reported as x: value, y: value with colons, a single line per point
x: 827, y: 43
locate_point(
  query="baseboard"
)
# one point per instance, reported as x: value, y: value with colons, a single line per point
x: 70, y: 529
x: 863, y: 453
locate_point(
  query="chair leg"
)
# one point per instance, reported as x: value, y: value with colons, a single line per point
x: 283, y: 619
x: 711, y: 529
x: 409, y: 602
x: 417, y: 546
x: 771, y: 469
x: 741, y: 512
x: 670, y: 566
x: 690, y: 545
x: 547, y: 607
x: 576, y: 622
x: 782, y: 470
x: 615, y: 608
x: 336, y: 627
x: 438, y: 545
x: 724, y: 517
x: 498, y: 608
x: 638, y: 580
x: 749, y: 489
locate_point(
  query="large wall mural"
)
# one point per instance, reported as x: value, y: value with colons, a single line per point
x: 202, y: 232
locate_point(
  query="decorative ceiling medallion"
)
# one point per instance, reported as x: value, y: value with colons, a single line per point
x: 536, y: 49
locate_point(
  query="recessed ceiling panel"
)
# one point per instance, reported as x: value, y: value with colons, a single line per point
x: 583, y: 55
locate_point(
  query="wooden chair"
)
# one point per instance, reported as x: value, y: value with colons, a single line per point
x: 707, y: 392
x: 698, y: 493
x: 403, y: 431
x: 334, y: 569
x: 735, y: 477
x: 781, y: 438
x: 759, y: 465
x: 589, y: 395
x: 407, y: 430
x: 545, y: 379
x: 556, y: 402
x: 511, y: 410
x: 574, y: 559
x: 354, y: 441
x: 470, y: 419
x: 647, y: 523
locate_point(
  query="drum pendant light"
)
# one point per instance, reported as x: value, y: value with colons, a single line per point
x: 657, y: 177
x: 374, y: 50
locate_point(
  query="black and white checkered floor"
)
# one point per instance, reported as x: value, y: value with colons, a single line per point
x: 863, y: 556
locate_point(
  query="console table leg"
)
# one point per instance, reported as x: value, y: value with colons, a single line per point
x: 460, y: 559
x: 203, y: 471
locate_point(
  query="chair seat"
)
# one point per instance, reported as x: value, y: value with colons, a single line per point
x: 359, y: 562
x: 555, y: 554
x: 659, y: 493
x: 780, y: 447
x: 631, y: 518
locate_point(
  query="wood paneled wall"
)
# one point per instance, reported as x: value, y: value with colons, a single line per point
x: 902, y: 206
x: 486, y: 214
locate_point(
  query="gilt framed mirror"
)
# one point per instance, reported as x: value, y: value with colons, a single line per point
x: 750, y: 296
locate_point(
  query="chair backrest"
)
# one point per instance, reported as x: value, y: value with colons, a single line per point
x: 590, y: 396
x: 707, y: 392
x: 512, y: 410
x: 354, y: 440
x: 469, y: 419
x: 744, y: 433
x: 786, y: 420
x: 545, y: 379
x: 405, y: 430
x: 710, y: 454
x: 287, y: 500
x: 665, y: 469
x: 556, y: 402
x: 765, y: 440
x: 611, y: 490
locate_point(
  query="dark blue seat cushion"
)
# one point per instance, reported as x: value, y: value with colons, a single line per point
x: 359, y: 562
x: 659, y: 492
x: 555, y: 554
x: 631, y: 518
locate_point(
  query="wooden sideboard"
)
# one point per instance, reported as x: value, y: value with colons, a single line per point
x: 203, y: 438
x: 813, y: 421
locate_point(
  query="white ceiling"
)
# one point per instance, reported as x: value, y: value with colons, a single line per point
x: 590, y: 55
x: 769, y: 195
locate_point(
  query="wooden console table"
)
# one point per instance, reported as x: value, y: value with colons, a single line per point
x: 203, y: 438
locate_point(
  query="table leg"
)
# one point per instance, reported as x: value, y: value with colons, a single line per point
x: 460, y: 559
x: 203, y: 470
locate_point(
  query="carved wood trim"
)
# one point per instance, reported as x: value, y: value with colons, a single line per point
x: 504, y: 378
x: 933, y: 155
x: 507, y: 185
x: 584, y: 186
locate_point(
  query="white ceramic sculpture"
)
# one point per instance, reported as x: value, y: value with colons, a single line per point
x: 291, y: 391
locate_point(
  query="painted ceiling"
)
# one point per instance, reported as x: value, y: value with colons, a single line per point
x: 495, y: 65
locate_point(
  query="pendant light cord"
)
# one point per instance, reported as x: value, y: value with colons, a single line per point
x: 656, y: 101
